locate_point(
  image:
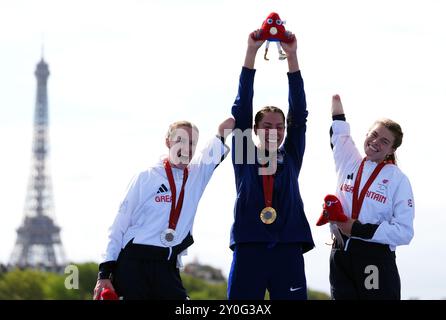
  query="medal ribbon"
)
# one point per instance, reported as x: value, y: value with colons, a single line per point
x: 268, y: 186
x: 357, y: 202
x: 175, y: 209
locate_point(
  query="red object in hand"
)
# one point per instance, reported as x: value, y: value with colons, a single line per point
x: 332, y: 211
x: 108, y: 294
x: 273, y: 30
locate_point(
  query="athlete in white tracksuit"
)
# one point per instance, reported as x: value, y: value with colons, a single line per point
x: 153, y: 227
x: 362, y: 261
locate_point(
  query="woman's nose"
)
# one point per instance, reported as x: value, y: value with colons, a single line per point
x: 377, y: 142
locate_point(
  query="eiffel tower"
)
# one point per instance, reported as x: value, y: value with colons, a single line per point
x: 38, y: 243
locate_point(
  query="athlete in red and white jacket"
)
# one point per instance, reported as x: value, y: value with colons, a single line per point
x: 377, y: 197
x: 153, y: 227
x: 144, y: 212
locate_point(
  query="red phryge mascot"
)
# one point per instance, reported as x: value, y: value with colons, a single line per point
x: 332, y: 211
x: 273, y: 30
x: 108, y: 294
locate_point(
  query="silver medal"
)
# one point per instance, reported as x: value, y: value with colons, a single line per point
x: 167, y: 237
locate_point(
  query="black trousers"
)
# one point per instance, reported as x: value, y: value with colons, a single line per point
x: 148, y: 272
x: 364, y: 271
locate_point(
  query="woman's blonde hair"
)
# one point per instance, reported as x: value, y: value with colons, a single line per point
x: 178, y: 124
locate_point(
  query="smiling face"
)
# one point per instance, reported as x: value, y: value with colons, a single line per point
x: 379, y: 143
x: 181, y: 141
x: 270, y: 129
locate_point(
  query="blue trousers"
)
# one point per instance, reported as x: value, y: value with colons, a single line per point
x: 257, y: 267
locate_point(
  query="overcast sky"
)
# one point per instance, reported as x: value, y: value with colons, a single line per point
x: 121, y: 71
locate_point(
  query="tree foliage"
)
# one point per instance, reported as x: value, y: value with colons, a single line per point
x: 199, y: 289
x: 39, y: 285
x: 30, y: 284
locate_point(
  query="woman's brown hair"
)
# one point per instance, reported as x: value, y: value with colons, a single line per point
x: 397, y: 133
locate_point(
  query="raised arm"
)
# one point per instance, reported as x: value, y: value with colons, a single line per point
x: 336, y: 106
x: 225, y: 128
x: 242, y: 107
x: 251, y: 50
x: 344, y: 150
x: 214, y: 152
x: 297, y: 113
x: 291, y: 53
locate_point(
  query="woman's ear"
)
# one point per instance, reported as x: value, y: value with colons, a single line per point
x: 167, y: 143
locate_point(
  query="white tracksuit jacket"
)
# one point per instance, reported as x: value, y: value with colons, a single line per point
x: 144, y: 213
x: 389, y: 201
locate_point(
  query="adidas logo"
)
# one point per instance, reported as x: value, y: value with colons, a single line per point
x: 162, y: 189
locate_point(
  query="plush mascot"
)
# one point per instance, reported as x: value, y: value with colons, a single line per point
x: 108, y: 294
x: 332, y: 211
x: 273, y: 30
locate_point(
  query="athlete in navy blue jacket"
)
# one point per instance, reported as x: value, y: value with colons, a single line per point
x: 270, y: 231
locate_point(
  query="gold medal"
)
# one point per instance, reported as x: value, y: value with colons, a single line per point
x: 268, y: 215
